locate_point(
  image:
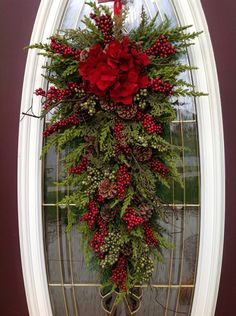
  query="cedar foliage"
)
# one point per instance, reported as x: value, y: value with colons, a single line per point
x: 72, y: 140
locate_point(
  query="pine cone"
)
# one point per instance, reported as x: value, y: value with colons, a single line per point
x: 145, y: 212
x: 84, y: 54
x: 127, y: 250
x: 142, y: 153
x: 137, y: 198
x: 107, y: 213
x: 84, y: 116
x: 90, y: 144
x: 127, y: 112
x: 107, y: 189
x: 77, y: 108
x: 107, y: 106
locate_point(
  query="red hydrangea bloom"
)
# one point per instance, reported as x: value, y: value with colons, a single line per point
x: 118, y: 71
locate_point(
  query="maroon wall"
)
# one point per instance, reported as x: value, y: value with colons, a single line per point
x: 221, y: 19
x: 16, y: 21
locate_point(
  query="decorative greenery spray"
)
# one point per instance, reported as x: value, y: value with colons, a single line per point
x: 110, y: 95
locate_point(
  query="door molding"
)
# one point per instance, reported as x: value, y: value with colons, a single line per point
x: 30, y: 169
x: 212, y: 163
x: 211, y: 146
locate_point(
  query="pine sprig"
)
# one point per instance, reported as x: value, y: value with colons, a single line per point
x: 119, y: 24
x: 127, y: 201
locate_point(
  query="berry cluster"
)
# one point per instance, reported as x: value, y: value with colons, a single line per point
x: 123, y: 181
x: 40, y: 92
x: 99, y: 198
x: 105, y: 24
x: 94, y: 176
x: 145, y: 267
x: 99, y: 236
x: 64, y: 50
x: 159, y: 85
x: 148, y: 123
x: 118, y: 128
x: 150, y: 239
x: 81, y: 167
x: 111, y: 249
x: 89, y: 105
x: 91, y: 215
x: 120, y: 146
x: 158, y: 166
x: 131, y: 218
x: 53, y: 95
x: 162, y: 48
x: 73, y: 120
x: 119, y: 273
x: 73, y: 86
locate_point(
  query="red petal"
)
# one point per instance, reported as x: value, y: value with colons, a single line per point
x: 143, y: 82
x: 144, y: 59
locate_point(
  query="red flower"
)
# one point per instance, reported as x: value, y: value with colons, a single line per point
x: 117, y: 72
x: 113, y: 52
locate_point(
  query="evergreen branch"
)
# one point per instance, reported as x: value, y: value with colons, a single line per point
x: 127, y: 201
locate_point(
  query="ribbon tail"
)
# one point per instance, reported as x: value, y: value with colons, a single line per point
x: 117, y: 7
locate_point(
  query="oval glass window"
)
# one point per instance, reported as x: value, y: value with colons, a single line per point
x: 73, y: 289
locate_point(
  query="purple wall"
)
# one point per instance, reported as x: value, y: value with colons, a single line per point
x: 16, y: 21
x: 221, y: 19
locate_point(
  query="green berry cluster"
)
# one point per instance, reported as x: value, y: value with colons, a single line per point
x: 140, y: 98
x: 111, y: 175
x: 111, y: 248
x: 89, y: 105
x: 94, y: 177
x: 80, y: 92
x: 144, y: 268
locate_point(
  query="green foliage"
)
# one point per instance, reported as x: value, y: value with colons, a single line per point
x: 119, y: 24
x: 74, y: 155
x: 94, y: 138
x: 72, y: 219
x: 127, y: 201
x: 105, y: 134
x: 170, y: 72
x: 93, y: 28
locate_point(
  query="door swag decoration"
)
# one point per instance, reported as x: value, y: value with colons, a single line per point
x: 110, y: 97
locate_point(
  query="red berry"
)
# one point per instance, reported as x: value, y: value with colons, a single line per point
x: 63, y: 49
x: 159, y: 85
x: 81, y: 167
x: 120, y: 146
x: 73, y: 120
x: 158, y: 166
x: 150, y: 239
x: 162, y: 48
x: 91, y: 215
x: 131, y: 218
x: 99, y: 236
x: 123, y: 181
x: 148, y: 123
x: 105, y: 24
x: 119, y: 274
x: 118, y: 128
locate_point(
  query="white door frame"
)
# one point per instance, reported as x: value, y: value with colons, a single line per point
x: 211, y: 145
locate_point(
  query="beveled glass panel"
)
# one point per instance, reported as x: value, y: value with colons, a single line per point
x: 51, y: 245
x: 50, y: 177
x: 59, y: 303
x: 191, y: 163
